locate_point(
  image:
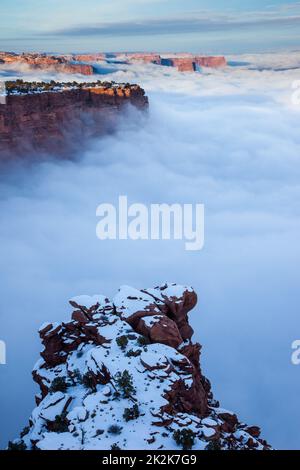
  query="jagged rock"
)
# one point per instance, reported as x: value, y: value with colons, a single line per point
x: 160, y: 329
x: 130, y: 358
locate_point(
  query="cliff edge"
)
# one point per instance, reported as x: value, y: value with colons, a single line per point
x: 54, y: 117
x: 125, y: 374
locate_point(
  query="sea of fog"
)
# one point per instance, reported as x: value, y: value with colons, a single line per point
x: 229, y: 139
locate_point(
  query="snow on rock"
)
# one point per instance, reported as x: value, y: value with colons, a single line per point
x: 125, y: 374
x: 88, y: 301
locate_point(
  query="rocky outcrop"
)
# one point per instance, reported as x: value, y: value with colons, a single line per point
x: 81, y: 63
x: 126, y: 374
x: 56, y: 121
x: 89, y: 57
x: 212, y: 61
x: 184, y: 62
x: 45, y: 62
x: 147, y: 58
x: 192, y: 63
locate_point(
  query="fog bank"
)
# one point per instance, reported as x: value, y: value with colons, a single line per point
x: 229, y: 139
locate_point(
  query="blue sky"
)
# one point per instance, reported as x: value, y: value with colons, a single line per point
x: 221, y: 26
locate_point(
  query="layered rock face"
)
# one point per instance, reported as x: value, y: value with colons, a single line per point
x: 147, y: 58
x: 125, y: 374
x: 190, y: 63
x: 81, y: 63
x: 54, y: 121
x: 44, y: 62
x: 212, y: 62
x: 89, y: 57
x: 183, y: 62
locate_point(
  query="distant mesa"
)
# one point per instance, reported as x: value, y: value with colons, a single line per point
x: 83, y: 63
x: 59, y: 64
x: 184, y: 62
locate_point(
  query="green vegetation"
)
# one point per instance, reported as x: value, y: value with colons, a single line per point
x: 132, y: 353
x: 16, y: 446
x: 214, y: 445
x: 131, y: 413
x: 59, y: 384
x: 21, y: 87
x: 143, y: 341
x: 122, y: 341
x: 124, y: 383
x: 185, y: 438
x: 115, y: 447
x: 60, y: 424
x: 114, y: 429
x: 25, y: 431
x: 88, y: 381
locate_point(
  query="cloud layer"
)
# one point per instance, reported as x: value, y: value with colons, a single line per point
x: 228, y: 139
x: 194, y: 24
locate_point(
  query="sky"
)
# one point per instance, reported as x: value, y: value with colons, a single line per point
x: 226, y: 138
x: 222, y: 26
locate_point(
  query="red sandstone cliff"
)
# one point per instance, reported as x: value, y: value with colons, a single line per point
x: 44, y: 62
x: 89, y: 57
x: 67, y: 64
x: 185, y: 62
x: 43, y: 121
x: 189, y: 63
x: 213, y: 62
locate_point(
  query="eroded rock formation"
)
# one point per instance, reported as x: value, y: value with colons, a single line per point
x: 55, y: 121
x: 46, y: 62
x: 183, y: 62
x: 126, y: 374
x: 82, y: 63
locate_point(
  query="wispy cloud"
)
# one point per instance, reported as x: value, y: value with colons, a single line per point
x: 204, y: 22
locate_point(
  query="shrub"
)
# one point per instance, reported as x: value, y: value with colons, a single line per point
x: 88, y: 381
x: 184, y: 437
x: 132, y: 353
x: 114, y: 429
x: 25, y: 431
x: 125, y: 384
x: 122, y: 341
x: 16, y: 445
x: 60, y: 424
x: 77, y: 375
x: 59, y: 384
x: 214, y: 445
x: 115, y: 447
x: 131, y: 413
x: 143, y: 341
